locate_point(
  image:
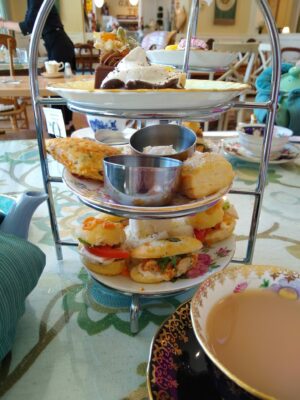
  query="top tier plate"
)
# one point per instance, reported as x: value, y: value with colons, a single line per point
x: 198, y: 59
x: 199, y: 96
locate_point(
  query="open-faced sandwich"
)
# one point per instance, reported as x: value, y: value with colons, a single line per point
x: 215, y: 224
x: 161, y: 250
x: 164, y: 259
x: 102, y: 245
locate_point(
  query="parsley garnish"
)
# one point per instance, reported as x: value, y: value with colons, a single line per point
x: 226, y: 205
x: 84, y: 242
x: 165, y: 261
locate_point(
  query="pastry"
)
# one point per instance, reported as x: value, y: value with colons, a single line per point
x: 113, y: 46
x: 82, y: 157
x: 135, y: 72
x: 102, y: 246
x: 204, y: 174
x: 165, y: 259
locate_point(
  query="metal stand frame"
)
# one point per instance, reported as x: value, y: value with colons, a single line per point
x: 270, y: 106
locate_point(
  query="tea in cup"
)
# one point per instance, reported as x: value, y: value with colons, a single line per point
x: 53, y: 67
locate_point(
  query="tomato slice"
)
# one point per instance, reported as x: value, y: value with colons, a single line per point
x: 108, y: 252
x: 200, y: 234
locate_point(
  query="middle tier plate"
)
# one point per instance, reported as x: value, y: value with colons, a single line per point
x: 93, y: 194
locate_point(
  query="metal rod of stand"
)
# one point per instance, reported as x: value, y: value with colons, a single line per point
x: 134, y: 313
x: 276, y: 72
x: 33, y: 73
x: 191, y: 27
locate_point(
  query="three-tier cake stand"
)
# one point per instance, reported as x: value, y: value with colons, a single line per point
x: 192, y: 114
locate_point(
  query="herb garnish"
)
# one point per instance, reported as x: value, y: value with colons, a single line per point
x: 165, y: 261
x: 173, y: 240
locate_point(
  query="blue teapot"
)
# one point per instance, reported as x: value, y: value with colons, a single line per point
x: 289, y: 97
x: 15, y: 215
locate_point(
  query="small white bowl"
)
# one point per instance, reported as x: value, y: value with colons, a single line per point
x: 251, y: 138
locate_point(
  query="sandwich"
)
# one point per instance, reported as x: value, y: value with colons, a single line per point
x: 102, y: 247
x: 164, y: 259
x: 215, y: 224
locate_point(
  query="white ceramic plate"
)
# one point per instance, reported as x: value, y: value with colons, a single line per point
x: 198, y: 94
x: 215, y: 258
x: 84, y: 133
x: 205, y: 59
x: 93, y: 194
x: 53, y: 75
x: 234, y: 148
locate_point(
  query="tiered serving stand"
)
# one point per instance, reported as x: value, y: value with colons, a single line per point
x: 199, y: 114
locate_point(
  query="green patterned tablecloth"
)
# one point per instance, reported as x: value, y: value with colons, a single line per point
x: 68, y: 347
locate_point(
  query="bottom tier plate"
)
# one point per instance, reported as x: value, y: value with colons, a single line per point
x: 177, y: 367
x: 213, y: 259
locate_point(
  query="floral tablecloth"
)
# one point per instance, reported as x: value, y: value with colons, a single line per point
x: 74, y: 340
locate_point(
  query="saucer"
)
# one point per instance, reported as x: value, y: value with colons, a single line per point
x: 177, y: 367
x: 233, y: 148
x: 52, y: 75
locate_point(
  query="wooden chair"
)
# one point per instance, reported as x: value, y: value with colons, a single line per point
x: 10, y: 43
x: 14, y: 109
x: 86, y: 57
x: 158, y: 40
x: 240, y: 71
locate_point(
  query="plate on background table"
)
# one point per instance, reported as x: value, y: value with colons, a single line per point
x: 52, y: 75
x: 206, y: 59
x: 233, y: 148
x: 198, y: 94
x: 93, y: 194
x: 177, y: 368
x: 212, y: 259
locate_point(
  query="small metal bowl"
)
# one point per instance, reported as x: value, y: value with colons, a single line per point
x: 181, y: 138
x: 141, y: 180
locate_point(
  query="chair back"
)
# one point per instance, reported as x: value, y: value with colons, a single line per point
x: 158, y: 40
x: 86, y: 55
x: 247, y: 55
x: 10, y: 43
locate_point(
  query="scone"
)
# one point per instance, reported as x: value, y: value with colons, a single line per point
x: 102, y: 246
x: 215, y: 224
x: 82, y: 157
x: 163, y: 260
x: 204, y: 174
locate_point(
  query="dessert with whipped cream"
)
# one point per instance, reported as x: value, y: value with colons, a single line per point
x: 196, y: 44
x: 135, y: 72
x: 113, y: 46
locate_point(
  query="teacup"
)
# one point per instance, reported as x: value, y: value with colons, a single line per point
x: 53, y: 67
x: 251, y: 138
x: 237, y: 281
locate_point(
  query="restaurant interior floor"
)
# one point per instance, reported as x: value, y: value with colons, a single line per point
x: 6, y: 133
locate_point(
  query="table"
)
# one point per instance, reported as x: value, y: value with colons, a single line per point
x: 20, y: 86
x: 70, y: 347
x: 20, y: 68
